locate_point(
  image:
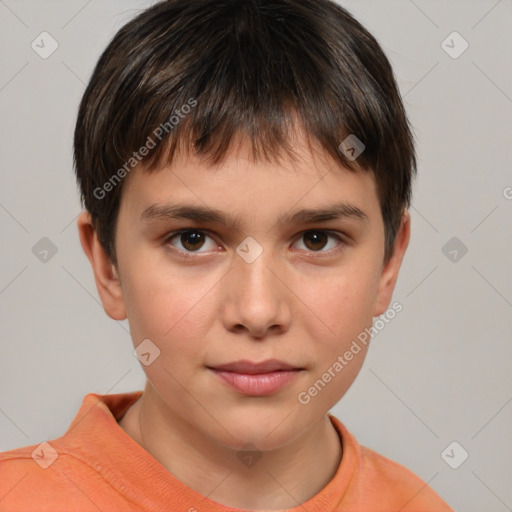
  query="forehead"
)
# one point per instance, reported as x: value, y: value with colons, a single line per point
x: 241, y: 186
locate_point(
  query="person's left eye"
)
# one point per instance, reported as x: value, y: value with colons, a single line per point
x: 318, y: 239
x: 193, y: 240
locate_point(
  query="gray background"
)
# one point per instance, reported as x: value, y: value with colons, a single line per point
x: 438, y: 373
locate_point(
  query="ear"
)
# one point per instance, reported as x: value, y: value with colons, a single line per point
x: 390, y: 270
x: 105, y: 272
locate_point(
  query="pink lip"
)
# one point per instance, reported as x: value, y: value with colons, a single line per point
x: 245, y: 366
x: 257, y: 379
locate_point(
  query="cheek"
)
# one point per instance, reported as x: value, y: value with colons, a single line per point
x: 343, y: 308
x: 343, y: 301
x: 172, y: 310
x: 168, y: 318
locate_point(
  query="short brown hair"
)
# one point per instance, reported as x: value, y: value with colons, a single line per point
x: 251, y: 67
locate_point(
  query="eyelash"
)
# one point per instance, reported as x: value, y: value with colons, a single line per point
x: 194, y: 254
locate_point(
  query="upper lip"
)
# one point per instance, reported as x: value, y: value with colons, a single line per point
x: 250, y: 367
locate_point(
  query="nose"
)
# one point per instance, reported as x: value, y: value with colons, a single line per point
x: 257, y: 301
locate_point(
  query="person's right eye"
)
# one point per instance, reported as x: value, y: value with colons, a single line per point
x: 191, y: 241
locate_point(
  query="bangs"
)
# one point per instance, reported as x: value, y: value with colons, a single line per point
x: 247, y: 73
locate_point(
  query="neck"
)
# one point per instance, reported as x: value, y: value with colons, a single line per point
x: 281, y: 479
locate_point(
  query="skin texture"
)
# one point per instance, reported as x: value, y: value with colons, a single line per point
x: 300, y: 301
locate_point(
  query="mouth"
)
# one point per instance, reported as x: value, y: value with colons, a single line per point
x: 256, y: 379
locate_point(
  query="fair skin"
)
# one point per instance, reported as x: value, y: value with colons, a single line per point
x: 302, y: 301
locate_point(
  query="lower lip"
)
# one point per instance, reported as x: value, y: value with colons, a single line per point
x: 257, y: 384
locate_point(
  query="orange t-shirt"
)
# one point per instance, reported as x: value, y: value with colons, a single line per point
x: 96, y: 466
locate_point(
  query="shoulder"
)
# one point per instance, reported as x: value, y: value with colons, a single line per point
x: 380, y: 484
x: 397, y: 484
x: 38, y: 477
x: 48, y: 477
x: 84, y: 469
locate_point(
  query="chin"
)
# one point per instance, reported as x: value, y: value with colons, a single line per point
x: 266, y: 430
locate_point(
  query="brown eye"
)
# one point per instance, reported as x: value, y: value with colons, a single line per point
x: 192, y: 240
x: 315, y: 240
x: 189, y: 241
x: 321, y: 241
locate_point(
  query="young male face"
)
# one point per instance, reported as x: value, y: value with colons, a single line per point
x: 302, y: 301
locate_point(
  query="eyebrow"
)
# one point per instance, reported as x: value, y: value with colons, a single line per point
x: 198, y: 213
